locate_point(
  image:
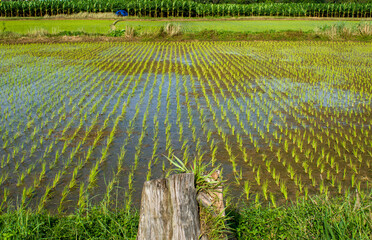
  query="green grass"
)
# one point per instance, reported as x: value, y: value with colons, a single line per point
x: 96, y: 223
x: 257, y: 26
x: 348, y: 217
x: 103, y: 26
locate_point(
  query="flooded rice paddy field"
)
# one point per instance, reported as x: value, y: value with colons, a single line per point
x: 90, y: 122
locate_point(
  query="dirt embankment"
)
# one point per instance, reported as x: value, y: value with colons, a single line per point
x: 61, y: 39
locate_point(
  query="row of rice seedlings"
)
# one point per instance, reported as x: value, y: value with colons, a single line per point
x: 155, y: 154
x: 52, y: 116
x: 109, y: 140
x: 332, y: 162
x: 206, y: 130
x: 72, y: 154
x: 182, y: 139
x: 82, y: 162
x: 30, y: 190
x: 131, y: 126
x: 291, y: 173
x: 110, y: 185
x: 290, y: 170
x: 260, y: 133
x: 228, y: 146
x: 18, y: 134
x: 15, y: 83
x: 94, y: 171
x: 246, y: 112
x: 238, y: 136
x: 187, y: 143
x: 168, y: 125
x: 50, y: 147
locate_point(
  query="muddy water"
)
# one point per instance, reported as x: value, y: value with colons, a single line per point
x: 286, y: 129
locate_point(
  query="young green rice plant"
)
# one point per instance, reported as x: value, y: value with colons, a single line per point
x: 313, y: 181
x: 272, y: 198
x: 291, y: 171
x: 358, y: 188
x: 21, y: 178
x: 321, y: 187
x: 278, y: 155
x: 353, y: 180
x: 258, y: 178
x: 44, y: 198
x: 65, y: 192
x: 318, y: 161
x: 264, y: 189
x: 72, y: 182
x: 247, y: 189
x: 24, y: 196
x: 5, y: 198
x: 3, y: 178
x: 30, y: 192
x: 107, y: 198
x: 57, y: 177
x: 93, y: 175
x: 214, y: 152
x: 328, y: 174
x: 354, y: 168
x: 300, y: 185
x: 286, y: 146
x: 222, y: 80
x: 283, y: 189
x: 237, y: 177
x: 257, y: 200
x: 322, y: 167
x: 344, y: 175
x: 3, y: 162
x: 82, y: 202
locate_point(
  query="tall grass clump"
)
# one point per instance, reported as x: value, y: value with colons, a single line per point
x: 365, y: 28
x: 38, y: 32
x: 319, y: 217
x: 341, y: 30
x: 172, y: 29
x: 82, y: 15
x: 93, y: 223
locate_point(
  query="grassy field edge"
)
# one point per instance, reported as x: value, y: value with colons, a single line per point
x: 206, y: 35
x: 319, y: 217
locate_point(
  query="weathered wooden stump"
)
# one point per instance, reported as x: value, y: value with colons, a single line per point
x: 213, y: 197
x: 169, y: 209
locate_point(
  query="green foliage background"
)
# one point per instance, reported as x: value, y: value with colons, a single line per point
x: 184, y: 8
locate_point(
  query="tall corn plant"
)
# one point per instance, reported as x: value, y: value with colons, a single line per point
x: 183, y: 8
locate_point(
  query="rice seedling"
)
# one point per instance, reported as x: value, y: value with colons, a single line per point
x: 247, y: 189
x: 283, y: 189
x: 258, y: 178
x: 192, y: 98
x: 264, y: 189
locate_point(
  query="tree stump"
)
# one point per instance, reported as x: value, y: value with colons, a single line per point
x: 213, y: 197
x: 169, y: 209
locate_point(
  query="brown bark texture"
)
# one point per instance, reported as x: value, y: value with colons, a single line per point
x: 169, y: 209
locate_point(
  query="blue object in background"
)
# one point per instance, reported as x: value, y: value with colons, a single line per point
x: 122, y: 13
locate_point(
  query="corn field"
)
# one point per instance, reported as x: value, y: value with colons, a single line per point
x: 90, y: 122
x: 170, y: 8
